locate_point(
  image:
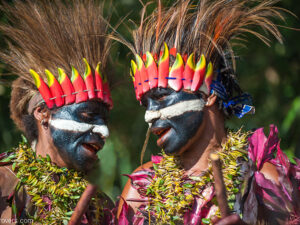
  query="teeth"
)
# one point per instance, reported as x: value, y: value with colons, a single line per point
x: 160, y: 132
x: 94, y: 146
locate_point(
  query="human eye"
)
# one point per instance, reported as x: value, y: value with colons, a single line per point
x: 162, y: 94
x: 88, y: 115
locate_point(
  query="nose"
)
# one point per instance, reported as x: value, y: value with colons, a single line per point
x: 152, y: 105
x: 152, y: 112
x: 151, y: 116
x: 102, y: 130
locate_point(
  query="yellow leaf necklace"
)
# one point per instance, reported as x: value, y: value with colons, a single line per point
x: 54, y: 191
x: 172, y: 193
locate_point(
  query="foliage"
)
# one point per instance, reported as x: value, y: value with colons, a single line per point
x: 53, y: 190
x: 270, y: 75
x: 178, y: 191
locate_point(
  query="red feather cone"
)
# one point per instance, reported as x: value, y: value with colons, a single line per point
x: 143, y: 74
x: 189, y: 71
x: 55, y: 88
x: 89, y: 80
x: 176, y: 73
x: 163, y: 68
x: 67, y: 87
x: 152, y: 71
x: 199, y: 74
x: 79, y: 86
x: 99, y: 82
x: 43, y: 89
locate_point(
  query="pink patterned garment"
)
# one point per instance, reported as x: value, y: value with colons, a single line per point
x: 262, y: 200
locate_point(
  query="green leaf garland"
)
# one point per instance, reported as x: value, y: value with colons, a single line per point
x: 171, y: 192
x: 54, y: 190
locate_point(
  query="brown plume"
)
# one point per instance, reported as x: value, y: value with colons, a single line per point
x: 46, y: 34
x: 207, y: 27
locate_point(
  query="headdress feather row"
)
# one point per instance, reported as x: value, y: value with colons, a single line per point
x: 148, y: 73
x: 44, y: 36
x: 201, y: 35
x: 65, y: 91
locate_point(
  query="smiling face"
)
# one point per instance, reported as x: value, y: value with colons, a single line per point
x: 79, y: 132
x: 175, y: 117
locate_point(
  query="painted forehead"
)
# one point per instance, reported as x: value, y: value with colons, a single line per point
x: 72, y: 112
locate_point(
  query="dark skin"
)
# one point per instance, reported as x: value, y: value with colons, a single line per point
x: 193, y: 151
x: 67, y: 148
x: 180, y: 128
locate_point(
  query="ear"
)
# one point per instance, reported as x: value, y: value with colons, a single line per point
x: 41, y: 114
x: 211, y: 100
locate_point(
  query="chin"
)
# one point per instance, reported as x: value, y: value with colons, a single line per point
x: 86, y: 163
x: 86, y: 166
x: 172, y: 143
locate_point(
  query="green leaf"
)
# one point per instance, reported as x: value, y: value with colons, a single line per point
x: 161, y: 182
x: 208, y: 179
x: 175, y: 218
x: 69, y: 213
x: 13, y: 167
x: 155, y: 166
x: 205, y: 221
x: 187, y: 185
x: 9, y: 158
x: 75, y: 197
x: 149, y: 190
x: 231, y: 197
x: 14, y: 208
x: 235, y: 190
x: 48, y: 158
x: 24, y: 139
x: 161, y: 205
x: 157, y: 209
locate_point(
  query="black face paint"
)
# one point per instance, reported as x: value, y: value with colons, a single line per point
x: 77, y: 148
x: 174, y: 132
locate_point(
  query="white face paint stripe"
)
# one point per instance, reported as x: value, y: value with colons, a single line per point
x: 175, y: 110
x: 74, y: 126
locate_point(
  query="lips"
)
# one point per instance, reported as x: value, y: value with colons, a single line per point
x: 161, y: 132
x: 92, y: 147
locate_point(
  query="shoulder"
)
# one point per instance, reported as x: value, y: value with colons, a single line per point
x: 8, y: 182
x: 130, y: 194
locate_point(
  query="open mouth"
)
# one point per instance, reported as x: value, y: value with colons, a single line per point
x: 160, y: 131
x: 92, y: 147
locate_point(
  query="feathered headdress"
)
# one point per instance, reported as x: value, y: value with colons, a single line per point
x: 47, y: 40
x: 189, y: 46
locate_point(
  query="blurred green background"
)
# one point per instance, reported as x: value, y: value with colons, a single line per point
x: 270, y: 74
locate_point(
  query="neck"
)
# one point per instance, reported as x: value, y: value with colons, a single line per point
x: 44, y: 147
x: 210, y: 137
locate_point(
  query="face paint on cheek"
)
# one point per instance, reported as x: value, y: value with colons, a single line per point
x: 177, y: 124
x: 77, y: 127
x: 70, y: 138
x: 178, y: 109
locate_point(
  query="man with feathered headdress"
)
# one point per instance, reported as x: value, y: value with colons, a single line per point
x: 184, y: 76
x: 61, y: 101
